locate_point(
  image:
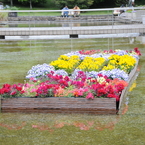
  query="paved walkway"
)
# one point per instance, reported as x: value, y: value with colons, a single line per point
x: 134, y: 17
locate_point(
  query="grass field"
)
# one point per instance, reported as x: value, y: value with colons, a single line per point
x: 51, y: 6
x: 59, y: 13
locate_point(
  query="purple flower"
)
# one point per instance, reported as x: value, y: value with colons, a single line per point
x: 38, y: 71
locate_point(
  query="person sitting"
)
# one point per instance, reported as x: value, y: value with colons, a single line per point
x: 76, y: 13
x: 65, y: 13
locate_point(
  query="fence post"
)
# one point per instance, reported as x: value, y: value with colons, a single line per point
x: 143, y: 19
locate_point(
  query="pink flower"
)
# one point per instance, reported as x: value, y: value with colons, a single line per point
x: 33, y: 90
x: 13, y: 93
x: 90, y: 96
x: 33, y: 79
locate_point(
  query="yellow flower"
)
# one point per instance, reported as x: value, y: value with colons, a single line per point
x: 132, y: 86
x: 124, y: 62
x: 66, y: 63
x: 92, y: 64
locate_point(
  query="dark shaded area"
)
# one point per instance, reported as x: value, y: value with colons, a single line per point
x: 73, y: 35
x: 2, y: 37
x: 105, y: 4
x: 96, y: 4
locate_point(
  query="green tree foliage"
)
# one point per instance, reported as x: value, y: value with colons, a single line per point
x: 102, y: 3
x: 32, y: 2
x: 121, y: 2
x: 139, y: 2
x: 8, y: 1
x: 126, y: 2
x: 83, y: 4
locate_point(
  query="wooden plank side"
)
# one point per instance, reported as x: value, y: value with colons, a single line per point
x: 132, y: 77
x: 63, y: 111
x: 60, y: 105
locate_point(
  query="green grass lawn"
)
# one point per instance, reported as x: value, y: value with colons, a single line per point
x: 59, y: 13
x: 51, y: 6
x: 38, y: 13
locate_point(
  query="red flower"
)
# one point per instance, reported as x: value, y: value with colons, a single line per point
x: 66, y: 78
x: 88, y: 52
x: 111, y: 51
x: 113, y: 96
x: 119, y: 87
x: 6, y: 86
x: 101, y: 91
x: 137, y: 51
x: 110, y: 89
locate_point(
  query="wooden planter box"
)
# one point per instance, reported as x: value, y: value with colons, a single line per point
x: 60, y: 105
x: 65, y: 105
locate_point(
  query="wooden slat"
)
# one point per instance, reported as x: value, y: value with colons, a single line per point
x: 60, y: 105
x: 130, y: 80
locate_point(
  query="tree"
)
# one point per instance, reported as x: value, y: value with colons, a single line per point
x: 28, y: 1
x: 83, y: 4
x: 32, y: 1
x: 11, y: 3
x: 8, y: 1
x: 101, y: 3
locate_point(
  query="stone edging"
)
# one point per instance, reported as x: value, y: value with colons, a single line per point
x: 59, y: 18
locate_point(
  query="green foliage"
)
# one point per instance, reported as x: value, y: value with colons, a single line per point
x: 32, y: 2
x: 126, y: 2
x: 36, y: 2
x: 120, y: 2
x: 102, y: 4
x: 14, y: 8
x: 83, y: 4
x: 6, y: 1
x: 139, y: 2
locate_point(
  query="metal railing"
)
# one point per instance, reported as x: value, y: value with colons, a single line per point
x: 82, y: 11
x: 132, y: 13
x: 88, y: 17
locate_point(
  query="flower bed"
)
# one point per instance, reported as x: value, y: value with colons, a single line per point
x: 77, y: 82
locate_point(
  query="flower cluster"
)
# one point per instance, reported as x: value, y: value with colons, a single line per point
x: 112, y: 74
x: 39, y: 71
x: 91, y: 64
x: 87, y: 74
x: 66, y: 63
x: 81, y: 86
x: 60, y: 86
x: 124, y: 62
x: 9, y: 91
x: 88, y: 52
x: 136, y: 51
